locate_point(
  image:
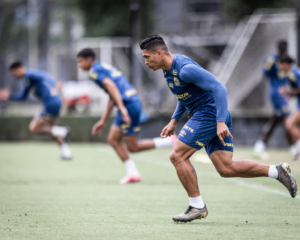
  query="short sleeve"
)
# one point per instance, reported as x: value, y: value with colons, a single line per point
x: 99, y: 74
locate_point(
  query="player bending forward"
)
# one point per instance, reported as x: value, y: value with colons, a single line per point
x: 126, y: 125
x: 209, y: 126
x: 44, y: 87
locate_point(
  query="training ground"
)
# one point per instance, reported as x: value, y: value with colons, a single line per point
x: 43, y: 198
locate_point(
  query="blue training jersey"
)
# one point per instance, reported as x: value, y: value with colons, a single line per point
x: 100, y: 71
x: 191, y: 96
x: 40, y: 83
x: 276, y: 77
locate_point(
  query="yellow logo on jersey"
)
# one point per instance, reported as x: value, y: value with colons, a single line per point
x: 200, y: 144
x: 137, y: 129
x: 183, y: 96
x: 171, y: 85
x: 93, y: 75
x: 229, y: 144
x: 176, y: 81
x: 175, y: 72
x: 130, y: 92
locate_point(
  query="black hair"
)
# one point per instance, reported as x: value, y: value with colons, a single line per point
x: 87, y: 53
x: 286, y: 59
x: 152, y: 42
x: 282, y: 46
x: 15, y: 65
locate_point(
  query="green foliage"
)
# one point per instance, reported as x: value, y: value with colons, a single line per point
x: 239, y: 8
x: 105, y: 17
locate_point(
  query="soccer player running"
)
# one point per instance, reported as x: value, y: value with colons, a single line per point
x: 126, y: 125
x: 277, y: 79
x: 45, y: 89
x: 209, y: 126
x: 293, y: 75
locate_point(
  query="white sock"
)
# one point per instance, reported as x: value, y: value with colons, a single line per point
x: 162, y: 142
x: 58, y: 131
x: 196, y: 202
x: 273, y: 172
x: 130, y: 167
x: 259, y: 146
x: 65, y: 150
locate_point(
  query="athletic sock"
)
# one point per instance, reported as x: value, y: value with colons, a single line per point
x: 196, y: 202
x: 259, y: 146
x: 130, y: 167
x: 273, y: 172
x: 162, y: 142
x: 58, y: 131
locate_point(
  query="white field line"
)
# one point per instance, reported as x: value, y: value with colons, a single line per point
x: 237, y: 181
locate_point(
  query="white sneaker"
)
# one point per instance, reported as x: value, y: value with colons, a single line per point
x: 259, y: 150
x: 66, y: 153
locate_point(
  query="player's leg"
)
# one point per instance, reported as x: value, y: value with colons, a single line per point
x: 130, y: 132
x: 193, y: 136
x: 46, y: 123
x: 221, y: 157
x: 291, y: 125
x: 115, y: 140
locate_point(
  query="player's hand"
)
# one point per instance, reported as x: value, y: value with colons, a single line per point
x: 125, y: 115
x: 98, y: 128
x: 223, y: 131
x: 285, y: 91
x: 168, y: 130
x: 4, y: 94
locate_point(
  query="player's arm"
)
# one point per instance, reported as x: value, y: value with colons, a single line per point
x: 177, y: 115
x: 20, y: 96
x: 99, y: 126
x: 205, y: 80
x: 114, y: 93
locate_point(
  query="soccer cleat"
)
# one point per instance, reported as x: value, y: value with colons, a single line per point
x: 131, y: 179
x: 191, y: 214
x: 286, y: 178
x: 66, y: 153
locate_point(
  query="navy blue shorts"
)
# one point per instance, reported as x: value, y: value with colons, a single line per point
x: 51, y: 108
x: 201, y: 131
x: 134, y: 110
x: 280, y: 105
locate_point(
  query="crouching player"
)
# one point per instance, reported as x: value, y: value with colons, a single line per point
x: 126, y: 126
x: 44, y: 87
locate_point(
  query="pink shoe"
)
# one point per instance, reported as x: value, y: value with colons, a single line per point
x: 131, y: 179
x: 173, y: 138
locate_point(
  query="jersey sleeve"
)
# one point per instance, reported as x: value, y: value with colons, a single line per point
x: 203, y: 79
x: 99, y: 74
x: 21, y: 96
x: 268, y: 65
x: 179, y: 111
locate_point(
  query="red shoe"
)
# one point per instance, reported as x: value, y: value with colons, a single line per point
x: 131, y: 179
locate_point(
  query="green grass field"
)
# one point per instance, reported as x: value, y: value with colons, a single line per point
x: 43, y: 198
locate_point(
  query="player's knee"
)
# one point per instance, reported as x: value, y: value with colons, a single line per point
x: 33, y: 128
x: 174, y: 157
x: 112, y: 141
x: 226, y: 170
x: 133, y: 148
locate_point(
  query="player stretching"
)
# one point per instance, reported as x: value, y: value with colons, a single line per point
x: 209, y: 126
x: 44, y: 87
x: 293, y: 74
x: 277, y: 79
x: 126, y: 125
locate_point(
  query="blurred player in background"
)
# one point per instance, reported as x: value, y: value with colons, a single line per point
x: 293, y: 74
x: 45, y: 89
x: 126, y: 125
x: 277, y: 79
x: 209, y: 126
